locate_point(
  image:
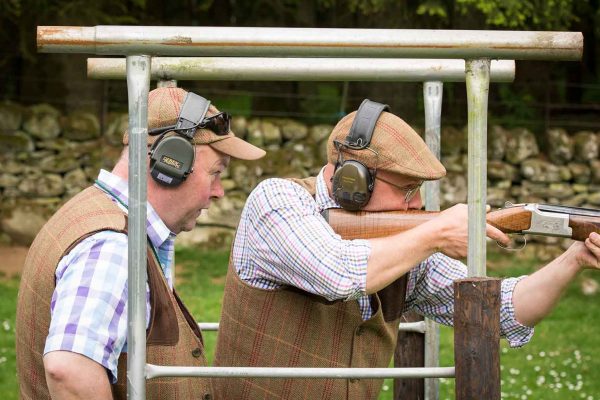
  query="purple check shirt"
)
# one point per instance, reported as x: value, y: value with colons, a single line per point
x: 89, y: 304
x: 283, y: 240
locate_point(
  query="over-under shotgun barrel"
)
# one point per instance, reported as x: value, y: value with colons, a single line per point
x: 367, y: 225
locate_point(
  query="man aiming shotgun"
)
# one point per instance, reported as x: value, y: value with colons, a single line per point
x: 300, y: 295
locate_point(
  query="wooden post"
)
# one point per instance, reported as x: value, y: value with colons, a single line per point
x: 410, y: 352
x: 477, y: 338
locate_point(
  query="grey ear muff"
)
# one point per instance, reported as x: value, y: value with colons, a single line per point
x: 172, y: 154
x: 172, y: 160
x: 352, y: 181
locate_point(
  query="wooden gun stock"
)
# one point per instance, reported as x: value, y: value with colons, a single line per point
x: 517, y: 219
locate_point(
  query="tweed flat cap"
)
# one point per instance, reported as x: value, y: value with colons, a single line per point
x: 398, y: 149
x: 164, y: 105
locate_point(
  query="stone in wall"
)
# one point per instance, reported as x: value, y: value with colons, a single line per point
x: 520, y: 145
x: 319, y: 133
x: 595, y: 171
x: 255, y: 134
x: 497, y: 139
x: 454, y: 140
x: 540, y: 171
x: 585, y: 146
x: 271, y: 135
x: 81, y: 126
x: 455, y: 162
x: 11, y: 116
x: 239, y: 126
x: 558, y: 191
x: 453, y: 189
x: 560, y: 146
x: 116, y: 125
x: 499, y: 170
x: 43, y: 122
x: 58, y: 163
x: 12, y: 142
x: 294, y: 131
x: 44, y: 185
x: 580, y: 171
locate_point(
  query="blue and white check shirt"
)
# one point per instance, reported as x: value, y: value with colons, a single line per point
x: 283, y: 240
x: 89, y: 305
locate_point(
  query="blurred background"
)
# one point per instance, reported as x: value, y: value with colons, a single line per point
x: 544, y: 94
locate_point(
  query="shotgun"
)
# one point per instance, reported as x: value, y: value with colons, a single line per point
x: 532, y: 218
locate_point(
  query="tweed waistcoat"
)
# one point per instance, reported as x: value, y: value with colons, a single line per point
x: 291, y: 328
x: 173, y: 337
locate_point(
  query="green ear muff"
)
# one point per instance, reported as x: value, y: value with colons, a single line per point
x: 352, y: 181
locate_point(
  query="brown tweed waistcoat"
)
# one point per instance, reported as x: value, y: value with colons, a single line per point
x: 173, y: 337
x: 291, y: 328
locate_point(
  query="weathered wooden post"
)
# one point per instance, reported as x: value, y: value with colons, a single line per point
x: 477, y: 338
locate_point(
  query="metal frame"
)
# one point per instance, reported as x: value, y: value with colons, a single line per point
x: 476, y: 47
x: 300, y: 69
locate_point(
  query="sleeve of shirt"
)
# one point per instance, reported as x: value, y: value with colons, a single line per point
x: 89, y: 304
x: 292, y: 244
x: 430, y: 292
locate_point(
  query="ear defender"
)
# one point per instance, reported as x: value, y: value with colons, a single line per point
x: 352, y: 181
x: 352, y: 185
x: 171, y: 160
x: 172, y: 155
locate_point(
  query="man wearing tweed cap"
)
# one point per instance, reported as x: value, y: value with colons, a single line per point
x: 72, y: 306
x: 298, y: 295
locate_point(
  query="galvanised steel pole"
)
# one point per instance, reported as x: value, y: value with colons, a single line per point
x: 155, y: 371
x: 478, y: 84
x: 138, y: 85
x: 310, y: 42
x: 432, y: 94
x: 300, y: 69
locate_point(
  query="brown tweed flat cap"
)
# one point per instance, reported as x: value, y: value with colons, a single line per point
x: 164, y: 105
x: 400, y: 150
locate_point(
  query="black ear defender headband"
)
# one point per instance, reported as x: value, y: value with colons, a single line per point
x: 172, y: 156
x: 353, y: 182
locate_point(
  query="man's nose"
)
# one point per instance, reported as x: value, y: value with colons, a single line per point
x: 217, y: 190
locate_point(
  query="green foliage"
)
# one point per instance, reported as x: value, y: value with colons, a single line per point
x: 523, y: 14
x: 322, y: 104
x: 432, y: 8
x: 519, y: 106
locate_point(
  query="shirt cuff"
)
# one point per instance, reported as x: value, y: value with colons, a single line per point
x: 516, y: 333
x: 58, y: 343
x: 358, y: 252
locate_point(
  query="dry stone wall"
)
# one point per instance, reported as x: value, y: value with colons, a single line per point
x: 48, y: 156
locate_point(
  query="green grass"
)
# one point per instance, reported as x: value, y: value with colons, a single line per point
x: 559, y: 362
x: 8, y: 364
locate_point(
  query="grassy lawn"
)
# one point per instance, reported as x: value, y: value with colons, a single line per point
x: 558, y: 363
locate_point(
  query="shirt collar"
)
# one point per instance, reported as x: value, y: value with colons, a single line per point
x: 322, y: 198
x: 118, y: 189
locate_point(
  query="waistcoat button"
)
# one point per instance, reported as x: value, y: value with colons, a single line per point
x: 206, y: 396
x: 197, y: 352
x: 359, y: 331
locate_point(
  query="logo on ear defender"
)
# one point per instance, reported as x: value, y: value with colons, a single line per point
x: 170, y: 161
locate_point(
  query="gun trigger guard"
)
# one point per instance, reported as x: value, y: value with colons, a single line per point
x: 512, y: 249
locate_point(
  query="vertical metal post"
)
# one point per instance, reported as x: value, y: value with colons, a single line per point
x: 138, y: 85
x: 432, y: 94
x: 478, y: 83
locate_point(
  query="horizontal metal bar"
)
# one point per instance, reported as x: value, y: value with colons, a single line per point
x: 310, y: 42
x: 155, y: 371
x: 208, y: 326
x: 300, y: 69
x: 419, y: 326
